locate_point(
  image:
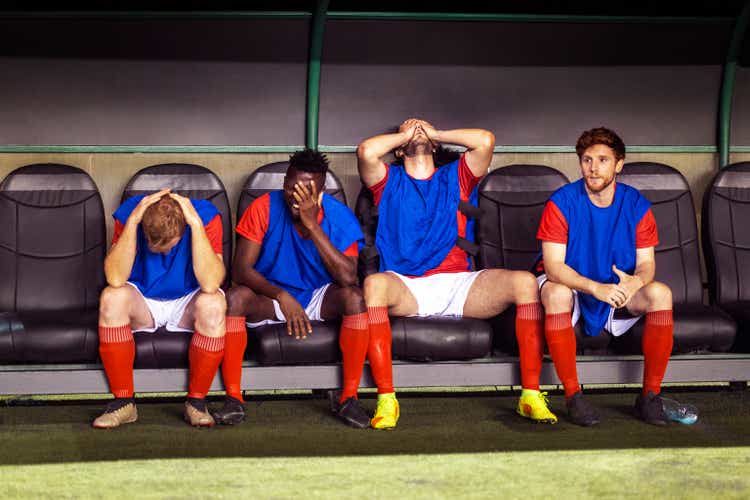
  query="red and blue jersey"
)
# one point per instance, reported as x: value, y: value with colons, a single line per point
x: 419, y: 220
x: 288, y: 260
x: 168, y: 276
x: 597, y: 238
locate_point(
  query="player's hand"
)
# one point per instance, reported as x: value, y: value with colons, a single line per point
x: 409, y: 128
x: 297, y: 322
x: 137, y: 214
x: 308, y: 203
x: 192, y: 218
x: 629, y: 283
x: 430, y: 131
x: 613, y: 295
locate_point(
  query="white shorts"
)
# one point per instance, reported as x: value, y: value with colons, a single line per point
x: 312, y: 310
x: 167, y: 312
x: 441, y: 294
x: 615, y: 326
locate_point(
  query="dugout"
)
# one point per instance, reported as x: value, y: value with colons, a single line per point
x: 113, y: 91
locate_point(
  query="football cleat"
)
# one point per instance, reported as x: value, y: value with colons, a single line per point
x: 387, y: 412
x: 115, y: 415
x: 534, y: 406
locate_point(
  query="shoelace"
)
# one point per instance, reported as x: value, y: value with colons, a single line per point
x: 544, y: 398
x: 385, y: 404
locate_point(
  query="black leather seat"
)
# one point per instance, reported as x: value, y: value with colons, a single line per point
x: 726, y: 246
x: 697, y: 328
x: 427, y: 338
x: 512, y: 200
x: 52, y: 250
x: 163, y: 349
x: 270, y: 344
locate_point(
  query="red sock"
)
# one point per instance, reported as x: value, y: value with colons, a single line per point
x: 530, y: 336
x: 379, y: 349
x: 205, y: 355
x: 117, y: 350
x: 657, y: 346
x: 353, y: 340
x: 561, y: 341
x: 234, y: 351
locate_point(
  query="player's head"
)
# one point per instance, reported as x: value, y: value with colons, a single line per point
x: 163, y: 224
x: 305, y: 166
x: 601, y: 154
x: 418, y: 144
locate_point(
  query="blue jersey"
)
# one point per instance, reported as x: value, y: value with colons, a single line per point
x: 164, y: 276
x: 292, y: 262
x: 599, y: 238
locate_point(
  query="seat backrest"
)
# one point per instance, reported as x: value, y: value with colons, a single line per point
x: 512, y: 200
x: 726, y: 240
x: 677, y: 255
x: 270, y: 177
x: 188, y: 180
x: 53, y: 240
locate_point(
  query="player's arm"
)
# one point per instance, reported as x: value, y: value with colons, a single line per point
x: 559, y: 272
x: 645, y: 270
x: 208, y: 265
x: 119, y: 261
x: 479, y: 145
x: 342, y: 268
x: 370, y: 152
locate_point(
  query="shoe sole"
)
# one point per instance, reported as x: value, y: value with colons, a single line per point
x: 114, y: 426
x: 537, y: 420
x: 199, y: 424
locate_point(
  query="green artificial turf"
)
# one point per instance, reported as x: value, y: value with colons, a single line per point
x: 444, y: 446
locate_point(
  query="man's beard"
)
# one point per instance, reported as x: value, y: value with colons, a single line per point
x: 414, y: 148
x: 599, y: 189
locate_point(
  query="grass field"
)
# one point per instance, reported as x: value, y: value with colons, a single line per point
x: 464, y: 444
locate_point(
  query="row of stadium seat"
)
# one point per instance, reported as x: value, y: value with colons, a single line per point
x: 53, y: 245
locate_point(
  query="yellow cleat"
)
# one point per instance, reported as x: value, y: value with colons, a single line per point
x: 387, y: 413
x: 533, y: 405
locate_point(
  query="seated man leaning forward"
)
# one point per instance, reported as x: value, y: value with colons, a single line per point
x: 598, y: 238
x: 423, y: 271
x: 164, y: 269
x: 296, y: 262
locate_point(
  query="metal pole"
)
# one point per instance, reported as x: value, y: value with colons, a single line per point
x: 727, y: 84
x: 313, y: 73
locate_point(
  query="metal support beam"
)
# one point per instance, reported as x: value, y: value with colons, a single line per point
x: 317, y: 30
x: 727, y: 84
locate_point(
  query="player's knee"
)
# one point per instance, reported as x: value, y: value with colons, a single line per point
x: 658, y: 295
x: 375, y: 285
x: 238, y: 299
x: 210, y: 308
x: 114, y: 301
x: 353, y: 300
x: 525, y: 283
x: 556, y: 296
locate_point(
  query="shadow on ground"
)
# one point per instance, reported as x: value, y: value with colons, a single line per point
x: 468, y: 423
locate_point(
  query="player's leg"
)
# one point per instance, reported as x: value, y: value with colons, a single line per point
x: 121, y: 310
x: 558, y: 301
x: 348, y: 303
x: 206, y: 315
x: 242, y: 304
x: 385, y: 293
x: 655, y: 301
x: 493, y: 291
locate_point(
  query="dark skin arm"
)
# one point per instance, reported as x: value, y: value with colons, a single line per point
x: 342, y: 268
x: 244, y: 273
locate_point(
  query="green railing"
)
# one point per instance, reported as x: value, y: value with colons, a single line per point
x: 318, y: 19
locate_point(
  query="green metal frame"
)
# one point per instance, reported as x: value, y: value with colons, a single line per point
x: 727, y: 84
x: 318, y: 19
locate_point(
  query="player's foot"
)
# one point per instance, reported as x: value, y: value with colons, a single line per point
x: 196, y: 413
x: 232, y: 413
x: 119, y: 411
x: 580, y: 412
x: 650, y: 409
x: 352, y: 413
x: 387, y: 413
x: 533, y: 405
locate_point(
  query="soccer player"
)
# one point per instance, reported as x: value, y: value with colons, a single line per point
x: 598, y: 238
x: 423, y: 271
x: 164, y: 269
x: 296, y: 262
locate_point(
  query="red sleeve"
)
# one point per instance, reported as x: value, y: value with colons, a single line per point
x: 215, y: 231
x: 466, y: 178
x: 254, y: 222
x: 553, y: 227
x: 119, y: 226
x: 646, y: 234
x: 378, y: 188
x: 352, y: 251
